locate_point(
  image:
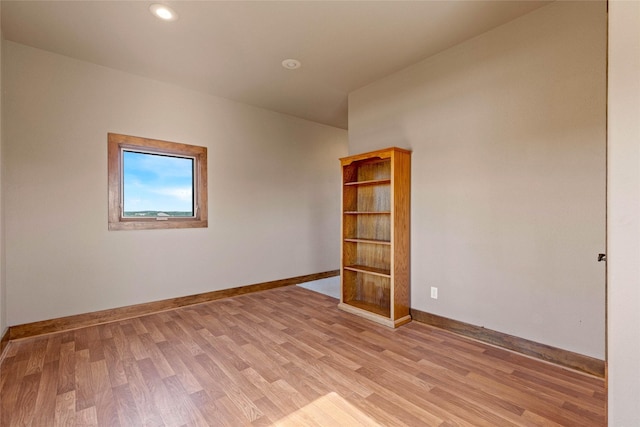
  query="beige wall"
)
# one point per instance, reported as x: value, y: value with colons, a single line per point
x: 3, y: 310
x: 508, y: 179
x: 273, y: 195
x: 623, y: 219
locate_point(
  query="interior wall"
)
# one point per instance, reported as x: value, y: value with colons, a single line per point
x: 3, y: 310
x: 272, y: 190
x: 508, y: 174
x: 623, y: 219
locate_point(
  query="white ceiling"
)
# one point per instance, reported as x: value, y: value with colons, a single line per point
x: 234, y: 49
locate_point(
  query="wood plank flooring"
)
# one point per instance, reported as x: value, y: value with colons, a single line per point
x: 283, y: 357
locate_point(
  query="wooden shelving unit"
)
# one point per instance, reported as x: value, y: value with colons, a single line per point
x: 375, y: 235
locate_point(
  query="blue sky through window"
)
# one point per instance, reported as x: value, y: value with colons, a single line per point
x: 153, y: 182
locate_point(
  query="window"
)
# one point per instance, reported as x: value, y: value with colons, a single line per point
x: 156, y: 184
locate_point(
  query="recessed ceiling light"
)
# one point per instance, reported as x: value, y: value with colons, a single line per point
x: 291, y: 64
x: 163, y: 12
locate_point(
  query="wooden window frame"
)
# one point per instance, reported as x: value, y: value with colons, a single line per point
x: 116, y: 143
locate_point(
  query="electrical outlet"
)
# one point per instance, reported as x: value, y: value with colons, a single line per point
x: 434, y: 292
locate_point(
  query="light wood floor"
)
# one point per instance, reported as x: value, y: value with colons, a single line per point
x: 285, y: 357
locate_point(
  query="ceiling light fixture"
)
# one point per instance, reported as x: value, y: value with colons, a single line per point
x: 291, y: 64
x: 163, y: 12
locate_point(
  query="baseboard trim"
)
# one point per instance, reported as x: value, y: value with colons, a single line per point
x: 121, y: 313
x: 544, y: 352
x: 4, y: 341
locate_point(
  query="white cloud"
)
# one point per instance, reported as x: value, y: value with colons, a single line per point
x: 180, y: 193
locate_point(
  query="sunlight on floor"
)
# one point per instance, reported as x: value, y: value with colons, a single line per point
x: 328, y: 286
x: 330, y: 409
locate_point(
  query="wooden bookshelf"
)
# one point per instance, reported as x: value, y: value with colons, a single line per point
x: 375, y: 235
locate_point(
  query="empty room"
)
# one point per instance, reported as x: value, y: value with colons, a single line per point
x: 319, y: 213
